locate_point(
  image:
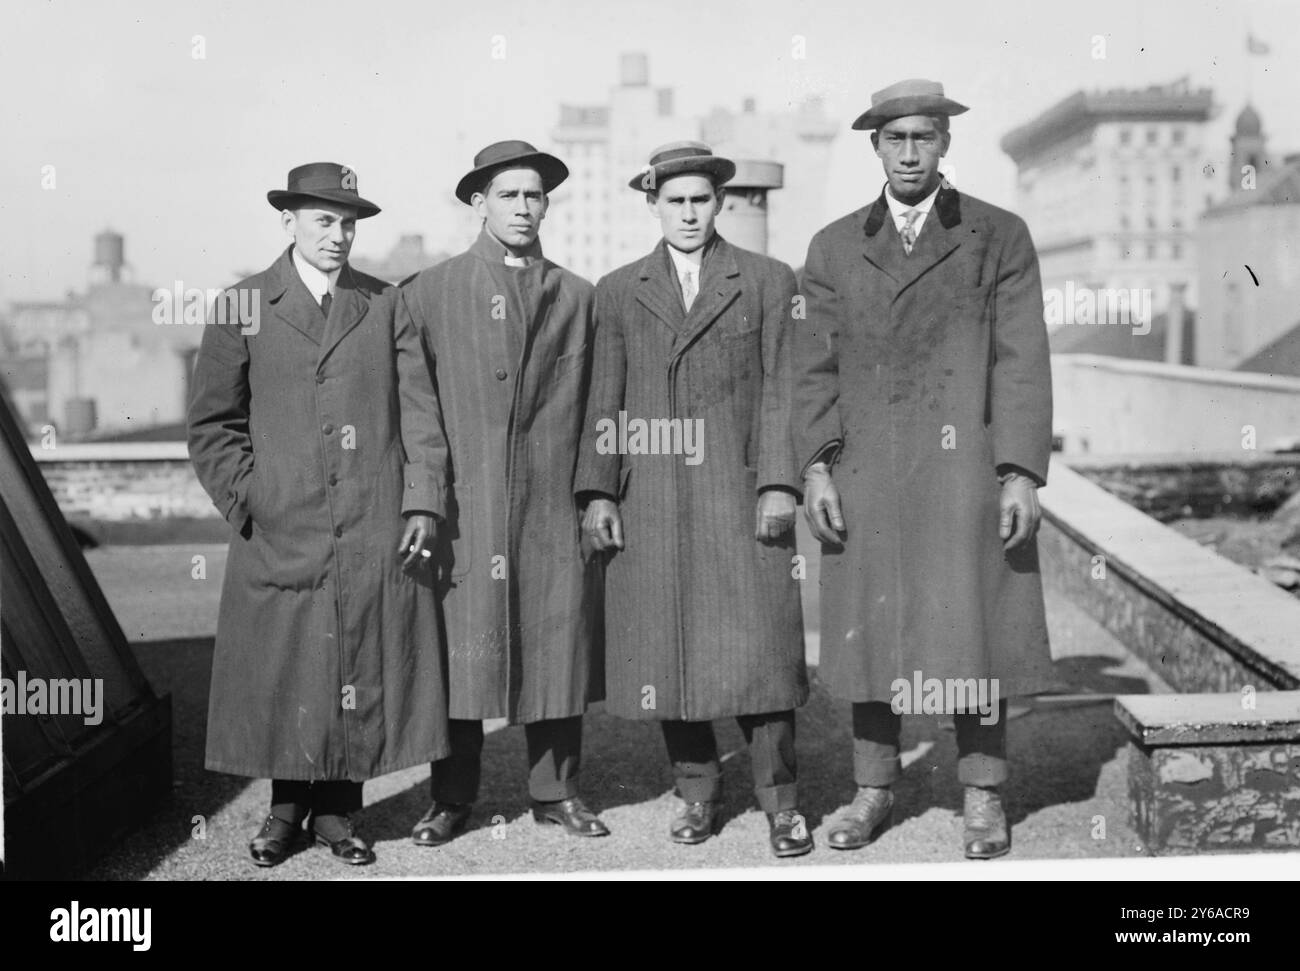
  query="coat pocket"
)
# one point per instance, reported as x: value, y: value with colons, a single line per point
x: 566, y: 363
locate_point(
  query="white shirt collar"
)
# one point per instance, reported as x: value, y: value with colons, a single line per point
x: 899, y: 210
x: 317, y: 282
x: 687, y: 261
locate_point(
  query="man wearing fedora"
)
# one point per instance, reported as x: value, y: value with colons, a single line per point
x: 509, y: 332
x: 922, y: 427
x: 704, y: 618
x: 314, y: 428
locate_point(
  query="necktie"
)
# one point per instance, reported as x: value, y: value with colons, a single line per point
x: 688, y: 288
x: 325, y: 302
x: 908, y: 231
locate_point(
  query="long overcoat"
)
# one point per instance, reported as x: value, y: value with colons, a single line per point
x: 702, y: 619
x: 313, y: 436
x: 932, y: 370
x: 510, y: 349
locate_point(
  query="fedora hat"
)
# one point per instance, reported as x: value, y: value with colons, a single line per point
x: 322, y: 180
x: 682, y: 158
x: 510, y: 155
x: 913, y: 97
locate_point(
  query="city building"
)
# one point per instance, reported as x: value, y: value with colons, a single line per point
x: 407, y: 257
x: 1249, y: 261
x: 97, y: 361
x: 1111, y: 184
x: 596, y: 223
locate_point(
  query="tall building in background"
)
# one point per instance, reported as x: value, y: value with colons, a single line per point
x: 1249, y: 254
x: 96, y: 362
x: 1111, y: 184
x: 597, y: 223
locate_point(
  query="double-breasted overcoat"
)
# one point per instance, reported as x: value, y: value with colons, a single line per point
x: 930, y: 370
x: 510, y: 350
x: 313, y: 437
x: 702, y: 619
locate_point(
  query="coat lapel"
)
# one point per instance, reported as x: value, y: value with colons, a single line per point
x: 719, y: 287
x: 657, y: 289
x: 937, y: 240
x: 348, y: 309
x: 293, y: 302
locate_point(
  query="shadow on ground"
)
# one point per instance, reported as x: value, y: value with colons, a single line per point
x: 1067, y: 770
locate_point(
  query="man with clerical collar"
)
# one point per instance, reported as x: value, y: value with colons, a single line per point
x: 314, y: 428
x: 508, y: 334
x: 702, y: 609
x: 922, y: 428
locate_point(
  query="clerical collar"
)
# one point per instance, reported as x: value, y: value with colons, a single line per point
x: 531, y: 256
x: 318, y: 283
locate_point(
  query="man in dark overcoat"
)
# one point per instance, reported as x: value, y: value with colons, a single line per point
x: 690, y: 482
x: 508, y: 333
x: 922, y: 424
x: 313, y: 426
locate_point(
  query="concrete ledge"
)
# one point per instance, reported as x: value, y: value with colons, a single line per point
x: 1212, y: 719
x: 1207, y: 774
x: 1201, y: 622
x: 113, y: 452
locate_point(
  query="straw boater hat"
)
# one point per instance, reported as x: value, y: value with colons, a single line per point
x: 914, y: 97
x: 322, y: 180
x: 682, y: 158
x: 500, y: 156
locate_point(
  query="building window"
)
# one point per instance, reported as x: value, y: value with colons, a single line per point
x: 1151, y: 222
x: 1176, y: 173
x: 1123, y: 222
x: 1125, y: 136
x: 1151, y: 251
x: 1176, y: 136
x: 1177, y: 251
x: 1153, y: 136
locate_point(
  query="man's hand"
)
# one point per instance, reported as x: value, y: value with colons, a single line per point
x: 603, y: 525
x: 774, y: 516
x: 821, y: 505
x: 416, y: 546
x: 1020, y: 511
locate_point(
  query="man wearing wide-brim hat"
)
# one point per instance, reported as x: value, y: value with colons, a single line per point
x: 702, y: 608
x: 922, y: 427
x: 509, y: 336
x: 314, y: 427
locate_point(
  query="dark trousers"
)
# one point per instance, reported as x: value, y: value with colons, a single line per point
x: 693, y: 751
x: 981, y: 749
x: 554, y: 757
x: 292, y: 800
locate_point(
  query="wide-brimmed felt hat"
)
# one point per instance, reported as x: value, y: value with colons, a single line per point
x: 682, y: 158
x: 500, y: 156
x: 913, y: 97
x: 322, y: 180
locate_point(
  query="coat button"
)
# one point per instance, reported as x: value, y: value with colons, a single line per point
x: 327, y: 428
x: 334, y: 480
x: 501, y: 374
x: 338, y: 530
x: 320, y: 379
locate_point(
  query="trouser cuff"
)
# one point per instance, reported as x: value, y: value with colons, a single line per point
x: 877, y: 772
x: 981, y: 770
x: 555, y: 791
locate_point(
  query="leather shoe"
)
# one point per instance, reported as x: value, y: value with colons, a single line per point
x: 572, y: 814
x: 342, y: 840
x: 866, y: 818
x: 986, y: 835
x: 789, y: 833
x: 694, y: 824
x: 274, y: 842
x: 441, y: 824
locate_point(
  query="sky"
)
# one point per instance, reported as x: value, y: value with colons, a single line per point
x: 177, y: 151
